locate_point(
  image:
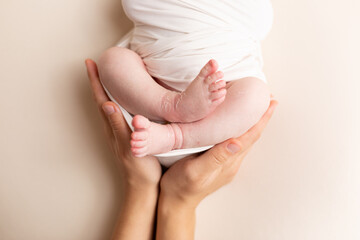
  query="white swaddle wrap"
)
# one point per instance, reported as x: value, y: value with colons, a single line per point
x: 176, y: 38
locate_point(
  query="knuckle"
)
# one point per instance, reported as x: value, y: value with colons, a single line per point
x: 115, y: 124
x: 219, y: 157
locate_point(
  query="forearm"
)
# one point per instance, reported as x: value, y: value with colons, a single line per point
x: 136, y: 215
x: 175, y: 220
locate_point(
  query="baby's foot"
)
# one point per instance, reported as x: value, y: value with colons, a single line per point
x: 150, y: 138
x: 202, y: 96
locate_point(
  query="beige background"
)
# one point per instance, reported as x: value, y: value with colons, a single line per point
x: 57, y: 176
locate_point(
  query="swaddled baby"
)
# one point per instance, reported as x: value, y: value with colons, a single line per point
x: 193, y: 65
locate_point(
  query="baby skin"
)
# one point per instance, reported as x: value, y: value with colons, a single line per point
x: 207, y: 112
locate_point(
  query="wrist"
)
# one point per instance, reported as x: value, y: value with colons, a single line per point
x: 139, y: 184
x: 175, y: 218
x: 137, y: 210
x: 146, y: 187
x: 143, y: 195
x: 168, y: 204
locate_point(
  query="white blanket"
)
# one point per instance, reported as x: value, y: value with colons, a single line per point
x: 175, y: 38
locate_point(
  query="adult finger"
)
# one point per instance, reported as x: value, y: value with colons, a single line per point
x: 117, y: 122
x: 235, y: 162
x: 93, y: 74
x: 213, y: 159
x: 99, y: 94
x: 230, y: 150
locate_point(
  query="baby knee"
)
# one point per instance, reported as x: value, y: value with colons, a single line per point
x: 115, y: 55
x: 259, y: 97
x: 253, y: 94
x: 120, y: 58
x: 116, y: 61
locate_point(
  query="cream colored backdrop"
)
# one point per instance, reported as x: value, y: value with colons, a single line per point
x: 57, y: 176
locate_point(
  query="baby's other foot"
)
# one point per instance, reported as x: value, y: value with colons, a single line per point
x: 150, y: 138
x: 202, y: 96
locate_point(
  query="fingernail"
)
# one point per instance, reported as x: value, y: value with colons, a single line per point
x: 233, y: 148
x: 108, y: 109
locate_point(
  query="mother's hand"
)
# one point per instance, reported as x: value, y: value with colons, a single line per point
x: 140, y: 176
x: 136, y: 172
x: 191, y: 179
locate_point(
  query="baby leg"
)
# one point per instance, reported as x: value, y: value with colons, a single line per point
x: 124, y: 74
x: 246, y: 101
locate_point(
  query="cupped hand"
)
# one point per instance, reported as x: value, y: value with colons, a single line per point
x: 136, y: 173
x: 191, y: 179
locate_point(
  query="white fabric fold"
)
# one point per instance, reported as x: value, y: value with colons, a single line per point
x: 176, y: 38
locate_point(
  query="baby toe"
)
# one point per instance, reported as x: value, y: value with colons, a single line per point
x: 218, y: 94
x: 137, y: 144
x: 140, y: 122
x: 137, y: 136
x: 139, y: 152
x: 209, y: 68
x: 217, y: 85
x: 217, y: 102
x: 214, y: 77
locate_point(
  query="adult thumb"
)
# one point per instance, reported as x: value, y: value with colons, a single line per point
x: 221, y: 153
x: 116, y: 119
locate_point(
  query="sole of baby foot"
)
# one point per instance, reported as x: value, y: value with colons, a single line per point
x: 205, y: 93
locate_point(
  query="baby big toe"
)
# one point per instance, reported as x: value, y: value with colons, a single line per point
x: 209, y: 68
x: 140, y: 122
x: 214, y: 77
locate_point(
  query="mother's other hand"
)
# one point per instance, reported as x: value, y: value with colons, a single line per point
x: 134, y: 171
x: 191, y: 179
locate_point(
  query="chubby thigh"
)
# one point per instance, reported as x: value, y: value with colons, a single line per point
x: 124, y: 74
x: 247, y: 99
